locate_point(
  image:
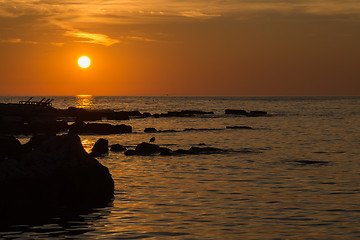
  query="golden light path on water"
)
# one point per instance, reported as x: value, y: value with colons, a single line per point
x: 84, y: 101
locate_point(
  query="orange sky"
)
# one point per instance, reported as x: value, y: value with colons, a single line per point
x: 198, y: 47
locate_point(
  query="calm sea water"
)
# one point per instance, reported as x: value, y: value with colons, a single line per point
x: 264, y: 187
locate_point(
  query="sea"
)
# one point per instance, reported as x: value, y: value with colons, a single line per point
x: 294, y: 174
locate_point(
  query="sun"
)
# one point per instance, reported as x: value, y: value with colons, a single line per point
x: 84, y: 62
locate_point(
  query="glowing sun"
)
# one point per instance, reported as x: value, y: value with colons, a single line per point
x: 84, y: 62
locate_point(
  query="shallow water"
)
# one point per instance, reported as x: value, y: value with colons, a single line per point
x: 295, y: 175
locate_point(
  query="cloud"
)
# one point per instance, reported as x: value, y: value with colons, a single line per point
x: 141, y: 38
x: 17, y: 40
x: 94, y: 38
x: 198, y: 14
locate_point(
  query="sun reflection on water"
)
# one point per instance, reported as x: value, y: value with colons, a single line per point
x: 84, y: 101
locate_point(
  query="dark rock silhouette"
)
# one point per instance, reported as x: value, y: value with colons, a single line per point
x: 147, y: 148
x: 234, y: 111
x: 117, y: 148
x: 80, y: 127
x: 257, y: 113
x: 201, y: 129
x: 56, y: 173
x: 239, y: 127
x: 152, y: 139
x: 150, y: 130
x: 100, y: 147
x: 183, y: 113
x: 200, y: 150
x: 9, y: 146
x: 308, y: 162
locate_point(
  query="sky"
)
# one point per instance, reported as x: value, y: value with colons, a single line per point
x: 168, y: 47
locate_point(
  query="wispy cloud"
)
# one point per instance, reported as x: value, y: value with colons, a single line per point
x: 140, y: 38
x: 17, y: 40
x: 94, y: 38
x: 198, y: 14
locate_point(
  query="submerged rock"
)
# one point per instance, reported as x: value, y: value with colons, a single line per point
x: 56, y: 172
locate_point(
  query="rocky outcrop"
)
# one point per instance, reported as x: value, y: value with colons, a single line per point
x: 52, y: 172
x: 81, y: 127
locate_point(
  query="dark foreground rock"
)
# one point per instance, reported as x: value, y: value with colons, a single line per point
x: 54, y: 173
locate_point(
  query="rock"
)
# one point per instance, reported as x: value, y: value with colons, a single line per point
x: 184, y: 113
x: 234, y: 111
x: 166, y: 152
x: 100, y: 147
x: 147, y: 148
x: 200, y: 150
x: 9, y: 146
x: 150, y: 130
x: 35, y: 141
x: 56, y: 174
x: 80, y: 127
x: 201, y: 129
x: 311, y: 162
x: 118, y: 116
x: 238, y: 127
x: 257, y: 113
x: 117, y: 148
x: 146, y: 114
x: 130, y: 152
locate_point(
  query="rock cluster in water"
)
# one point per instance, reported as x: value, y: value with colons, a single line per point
x: 50, y: 172
x: 29, y: 119
x: 144, y: 149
